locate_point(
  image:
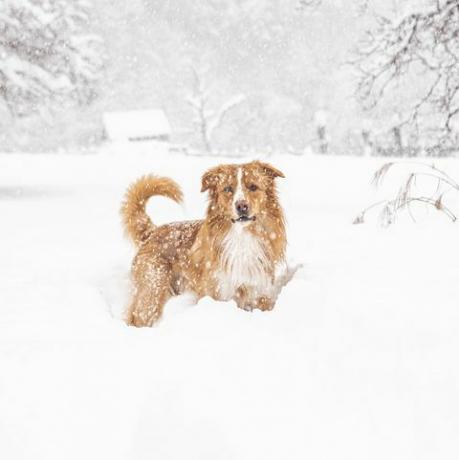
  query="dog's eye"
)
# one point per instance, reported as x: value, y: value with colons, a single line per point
x: 253, y: 187
x: 228, y: 189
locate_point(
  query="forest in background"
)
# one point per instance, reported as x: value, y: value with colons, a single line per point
x: 364, y: 77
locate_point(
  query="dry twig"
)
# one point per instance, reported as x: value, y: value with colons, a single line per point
x: 407, y: 194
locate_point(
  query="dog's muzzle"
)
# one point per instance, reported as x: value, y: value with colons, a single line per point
x: 242, y: 209
x: 244, y: 219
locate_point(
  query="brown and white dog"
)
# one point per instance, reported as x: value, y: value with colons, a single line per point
x: 231, y: 254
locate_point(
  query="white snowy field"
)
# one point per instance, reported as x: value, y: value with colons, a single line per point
x: 359, y: 359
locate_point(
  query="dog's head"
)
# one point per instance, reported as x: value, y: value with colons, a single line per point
x: 242, y: 194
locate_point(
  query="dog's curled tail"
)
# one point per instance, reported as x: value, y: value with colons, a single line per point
x: 137, y: 225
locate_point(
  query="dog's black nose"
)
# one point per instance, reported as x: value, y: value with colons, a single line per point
x: 242, y: 208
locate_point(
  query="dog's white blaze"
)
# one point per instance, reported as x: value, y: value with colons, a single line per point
x: 244, y: 262
x: 239, y: 192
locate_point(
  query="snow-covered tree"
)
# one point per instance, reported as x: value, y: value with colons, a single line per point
x: 414, y: 53
x: 206, y: 117
x: 47, y: 54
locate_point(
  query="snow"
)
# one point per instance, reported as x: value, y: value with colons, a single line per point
x: 358, y: 360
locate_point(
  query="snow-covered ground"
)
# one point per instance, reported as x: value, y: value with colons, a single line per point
x: 359, y: 360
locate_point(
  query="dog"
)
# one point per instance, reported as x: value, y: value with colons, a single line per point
x: 232, y: 254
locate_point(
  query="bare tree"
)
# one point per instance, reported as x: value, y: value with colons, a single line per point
x: 418, y: 48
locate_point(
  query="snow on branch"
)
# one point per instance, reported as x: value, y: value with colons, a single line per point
x: 419, y: 46
x: 217, y: 120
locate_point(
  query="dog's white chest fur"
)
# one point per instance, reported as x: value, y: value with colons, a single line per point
x: 244, y: 263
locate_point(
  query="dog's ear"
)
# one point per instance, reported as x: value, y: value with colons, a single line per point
x: 209, y: 179
x: 269, y: 170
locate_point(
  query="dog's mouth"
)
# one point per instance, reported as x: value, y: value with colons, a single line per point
x: 244, y: 219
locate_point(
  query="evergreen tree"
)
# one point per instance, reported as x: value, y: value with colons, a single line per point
x: 47, y: 54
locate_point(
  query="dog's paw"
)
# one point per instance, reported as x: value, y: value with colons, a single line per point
x: 265, y: 303
x: 140, y: 319
x: 245, y: 306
